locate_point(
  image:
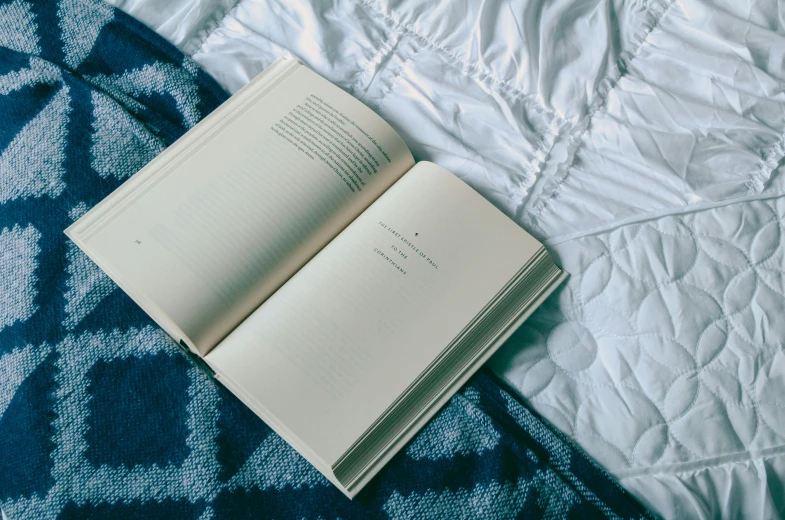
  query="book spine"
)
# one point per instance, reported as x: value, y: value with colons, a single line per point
x: 198, y: 361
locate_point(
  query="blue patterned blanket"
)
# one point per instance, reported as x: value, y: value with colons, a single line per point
x: 101, y: 415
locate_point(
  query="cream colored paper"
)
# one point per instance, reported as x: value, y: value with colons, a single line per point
x: 225, y: 218
x: 329, y: 352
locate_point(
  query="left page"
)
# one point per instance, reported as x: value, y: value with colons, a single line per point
x: 212, y: 227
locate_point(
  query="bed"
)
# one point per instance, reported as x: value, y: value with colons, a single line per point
x: 643, y: 142
x: 101, y: 414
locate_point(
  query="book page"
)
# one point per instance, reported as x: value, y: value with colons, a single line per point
x: 340, y: 341
x: 225, y: 218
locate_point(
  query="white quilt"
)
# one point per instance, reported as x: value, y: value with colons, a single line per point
x: 644, y: 141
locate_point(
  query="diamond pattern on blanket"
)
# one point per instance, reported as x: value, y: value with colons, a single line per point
x: 31, y: 166
x: 121, y: 145
x: 87, y: 286
x: 18, y: 252
x: 23, y: 71
x: 169, y: 509
x: 23, y: 37
x: 80, y: 28
x: 143, y: 391
x: 102, y: 415
x: 463, y: 437
x: 140, y: 86
x: 27, y: 429
x: 470, y: 503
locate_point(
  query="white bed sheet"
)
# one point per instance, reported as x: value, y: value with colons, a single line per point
x: 643, y: 140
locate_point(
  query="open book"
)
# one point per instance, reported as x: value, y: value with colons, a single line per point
x: 340, y: 290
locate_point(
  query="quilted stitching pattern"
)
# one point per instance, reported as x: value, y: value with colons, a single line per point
x: 664, y: 351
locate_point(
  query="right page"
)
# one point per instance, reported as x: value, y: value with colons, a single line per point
x: 342, y: 339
